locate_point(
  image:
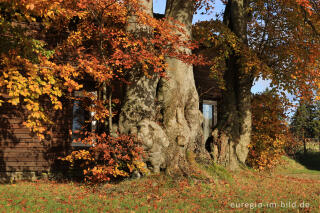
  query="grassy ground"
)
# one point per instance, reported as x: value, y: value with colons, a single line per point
x: 290, y: 188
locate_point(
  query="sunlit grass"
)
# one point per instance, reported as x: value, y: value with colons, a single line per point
x: 289, y: 185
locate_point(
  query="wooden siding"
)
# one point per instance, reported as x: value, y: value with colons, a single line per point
x: 22, y: 151
x: 206, y: 86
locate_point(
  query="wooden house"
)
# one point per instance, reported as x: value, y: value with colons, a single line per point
x: 209, y: 97
x: 24, y: 156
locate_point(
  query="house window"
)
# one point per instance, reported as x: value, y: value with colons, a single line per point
x: 209, y: 110
x: 83, y: 120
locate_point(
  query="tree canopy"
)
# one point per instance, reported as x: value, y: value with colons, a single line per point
x: 306, y: 120
x: 282, y: 44
x: 276, y: 40
x: 49, y: 49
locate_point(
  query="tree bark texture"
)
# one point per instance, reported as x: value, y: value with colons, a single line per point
x: 233, y: 133
x: 164, y: 113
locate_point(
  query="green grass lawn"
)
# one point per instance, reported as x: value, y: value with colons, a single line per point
x: 290, y: 188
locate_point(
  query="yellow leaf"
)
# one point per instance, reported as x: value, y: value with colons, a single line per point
x: 29, y: 107
x: 50, y: 13
x: 15, y: 101
x: 30, y: 6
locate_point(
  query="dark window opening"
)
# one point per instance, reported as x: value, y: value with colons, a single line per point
x: 83, y: 120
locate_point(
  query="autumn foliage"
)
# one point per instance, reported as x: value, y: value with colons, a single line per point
x: 108, y: 158
x: 49, y: 49
x: 270, y: 134
x: 285, y: 35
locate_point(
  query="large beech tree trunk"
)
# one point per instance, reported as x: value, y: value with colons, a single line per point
x: 232, y: 135
x: 164, y: 113
x: 181, y: 116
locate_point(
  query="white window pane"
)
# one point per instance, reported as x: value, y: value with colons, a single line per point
x: 207, y: 123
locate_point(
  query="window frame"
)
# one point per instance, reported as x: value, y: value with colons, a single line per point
x: 214, y: 104
x: 91, y: 115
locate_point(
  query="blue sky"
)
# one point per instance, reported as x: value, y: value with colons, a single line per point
x: 159, y: 7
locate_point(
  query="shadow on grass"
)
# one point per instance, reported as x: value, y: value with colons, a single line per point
x: 311, y: 160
